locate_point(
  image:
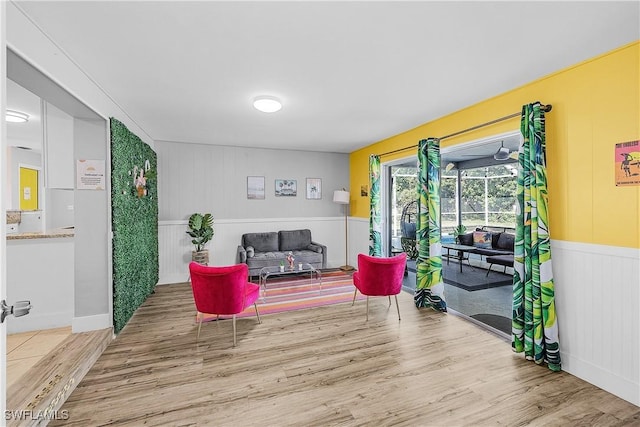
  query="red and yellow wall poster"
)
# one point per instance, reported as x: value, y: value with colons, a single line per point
x: 627, y: 163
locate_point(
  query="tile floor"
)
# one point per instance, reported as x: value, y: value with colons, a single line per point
x: 25, y: 349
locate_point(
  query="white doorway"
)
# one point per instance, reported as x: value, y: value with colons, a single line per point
x: 492, y: 305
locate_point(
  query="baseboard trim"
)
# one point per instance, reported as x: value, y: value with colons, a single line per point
x: 35, y: 322
x: 174, y: 279
x: 624, y: 388
x: 91, y: 323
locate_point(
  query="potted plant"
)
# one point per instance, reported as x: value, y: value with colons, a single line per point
x: 201, y: 231
x: 459, y: 231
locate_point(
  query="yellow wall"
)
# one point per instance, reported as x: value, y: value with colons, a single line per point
x: 596, y: 104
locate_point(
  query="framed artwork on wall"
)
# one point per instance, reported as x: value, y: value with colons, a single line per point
x: 255, y: 187
x: 286, y: 188
x: 314, y: 188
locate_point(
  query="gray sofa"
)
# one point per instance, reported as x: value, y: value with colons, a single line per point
x: 268, y: 249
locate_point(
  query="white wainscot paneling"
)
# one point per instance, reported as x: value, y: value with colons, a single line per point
x: 175, y: 245
x: 598, y: 306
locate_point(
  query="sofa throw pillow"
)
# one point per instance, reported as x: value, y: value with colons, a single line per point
x: 482, y: 239
x: 506, y: 242
x: 250, y: 251
x: 495, y: 236
x: 466, y: 239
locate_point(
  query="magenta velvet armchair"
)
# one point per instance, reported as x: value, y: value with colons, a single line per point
x: 222, y: 290
x: 379, y: 276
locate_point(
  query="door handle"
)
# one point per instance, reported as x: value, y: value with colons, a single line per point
x: 20, y: 308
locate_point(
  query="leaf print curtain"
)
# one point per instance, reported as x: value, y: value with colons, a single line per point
x: 375, y: 224
x: 534, y: 324
x: 429, y: 285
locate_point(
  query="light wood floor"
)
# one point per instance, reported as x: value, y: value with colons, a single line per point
x: 326, y: 366
x: 43, y: 387
x: 25, y: 349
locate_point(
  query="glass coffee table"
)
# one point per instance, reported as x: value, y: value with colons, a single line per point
x: 461, y: 251
x: 304, y: 268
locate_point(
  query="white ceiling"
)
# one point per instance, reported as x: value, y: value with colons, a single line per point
x: 349, y: 73
x: 27, y: 134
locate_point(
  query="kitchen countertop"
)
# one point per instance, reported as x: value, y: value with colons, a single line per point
x: 49, y: 234
x: 14, y: 217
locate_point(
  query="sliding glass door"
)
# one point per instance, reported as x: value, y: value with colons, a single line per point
x: 486, y: 202
x: 478, y: 197
x: 403, y: 207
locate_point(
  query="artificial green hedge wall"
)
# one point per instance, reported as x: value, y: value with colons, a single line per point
x: 135, y: 222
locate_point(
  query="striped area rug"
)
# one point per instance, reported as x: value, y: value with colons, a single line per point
x: 298, y: 293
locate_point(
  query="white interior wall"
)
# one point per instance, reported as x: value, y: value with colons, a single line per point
x: 92, y: 230
x: 213, y: 178
x: 208, y: 178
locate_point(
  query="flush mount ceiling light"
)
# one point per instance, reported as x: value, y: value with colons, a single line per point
x: 267, y: 104
x: 502, y: 153
x: 16, y: 116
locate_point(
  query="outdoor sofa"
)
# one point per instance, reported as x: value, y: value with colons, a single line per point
x: 496, y: 246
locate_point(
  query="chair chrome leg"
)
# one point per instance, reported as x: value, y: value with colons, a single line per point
x: 234, y: 330
x: 397, y: 306
x: 199, y: 317
x: 354, y: 297
x: 257, y: 314
x: 367, y: 308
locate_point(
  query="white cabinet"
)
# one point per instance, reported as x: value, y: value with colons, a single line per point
x: 59, y: 162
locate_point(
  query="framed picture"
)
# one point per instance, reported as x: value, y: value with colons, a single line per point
x: 286, y: 188
x: 314, y: 188
x: 255, y: 187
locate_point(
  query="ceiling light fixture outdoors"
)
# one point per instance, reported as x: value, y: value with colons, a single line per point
x: 502, y: 153
x: 267, y: 104
x: 16, y: 116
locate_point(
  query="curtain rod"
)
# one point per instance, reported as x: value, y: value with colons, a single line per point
x: 545, y: 108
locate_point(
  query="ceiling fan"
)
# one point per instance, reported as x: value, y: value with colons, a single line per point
x: 504, y: 153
